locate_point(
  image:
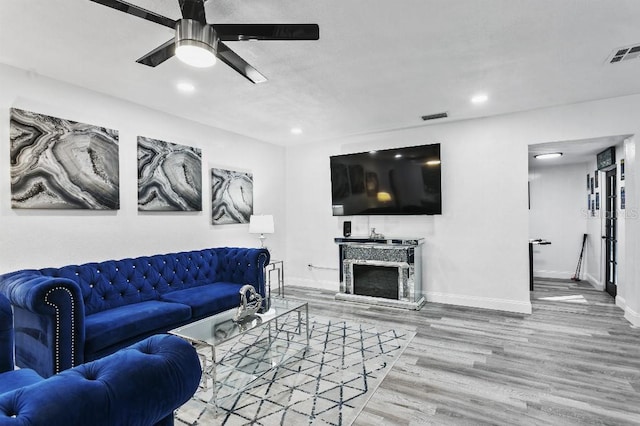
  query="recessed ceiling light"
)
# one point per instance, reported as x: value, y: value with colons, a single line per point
x: 373, y: 151
x: 398, y: 155
x: 296, y: 131
x: 479, y: 98
x: 432, y: 162
x: 547, y: 156
x: 185, y: 87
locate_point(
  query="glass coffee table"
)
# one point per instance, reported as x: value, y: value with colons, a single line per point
x: 233, y: 355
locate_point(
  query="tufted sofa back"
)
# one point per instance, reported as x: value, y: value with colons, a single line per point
x: 114, y: 283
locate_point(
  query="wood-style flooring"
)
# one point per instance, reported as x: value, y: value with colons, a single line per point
x: 574, y: 361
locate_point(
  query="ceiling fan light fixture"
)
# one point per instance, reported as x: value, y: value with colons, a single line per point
x: 195, y: 56
x: 195, y: 43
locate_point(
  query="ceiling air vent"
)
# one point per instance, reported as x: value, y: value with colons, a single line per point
x: 435, y: 116
x: 625, y: 54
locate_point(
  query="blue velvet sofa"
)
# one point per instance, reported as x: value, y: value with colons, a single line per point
x: 139, y: 385
x: 70, y: 315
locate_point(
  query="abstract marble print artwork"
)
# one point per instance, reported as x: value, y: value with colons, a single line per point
x: 169, y: 176
x: 62, y: 164
x: 231, y: 196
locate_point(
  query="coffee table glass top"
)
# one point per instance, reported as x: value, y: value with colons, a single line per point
x: 219, y: 328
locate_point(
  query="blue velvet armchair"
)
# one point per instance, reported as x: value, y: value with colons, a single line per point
x: 139, y: 385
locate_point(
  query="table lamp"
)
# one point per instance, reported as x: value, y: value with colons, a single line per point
x: 261, y: 224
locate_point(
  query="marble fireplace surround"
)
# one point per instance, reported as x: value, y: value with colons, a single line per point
x: 404, y: 254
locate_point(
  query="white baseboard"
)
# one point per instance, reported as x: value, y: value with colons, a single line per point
x: 560, y: 275
x: 621, y: 302
x: 632, y: 316
x: 629, y: 314
x: 317, y: 284
x: 594, y: 282
x: 449, y: 299
x: 480, y: 302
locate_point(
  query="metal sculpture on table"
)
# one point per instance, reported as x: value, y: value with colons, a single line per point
x: 250, y: 303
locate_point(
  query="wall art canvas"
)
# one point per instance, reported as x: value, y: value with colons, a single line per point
x: 622, y: 169
x: 592, y: 185
x: 588, y: 182
x: 597, y: 201
x: 595, y: 175
x: 169, y: 176
x: 62, y: 164
x: 622, y: 198
x: 231, y: 196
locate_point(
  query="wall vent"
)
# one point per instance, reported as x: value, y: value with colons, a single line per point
x: 625, y: 54
x: 435, y: 116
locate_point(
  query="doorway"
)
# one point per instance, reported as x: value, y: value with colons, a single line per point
x: 610, y: 231
x: 563, y: 209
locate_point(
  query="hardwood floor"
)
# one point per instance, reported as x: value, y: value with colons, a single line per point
x: 574, y: 361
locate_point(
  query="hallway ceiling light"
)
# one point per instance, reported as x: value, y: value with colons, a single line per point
x: 296, y: 131
x: 547, y: 156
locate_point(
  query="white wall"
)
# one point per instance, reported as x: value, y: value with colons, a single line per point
x: 558, y: 214
x: 594, y: 257
x: 621, y: 236
x: 595, y: 271
x: 476, y: 252
x: 476, y: 218
x: 629, y: 294
x: 39, y: 238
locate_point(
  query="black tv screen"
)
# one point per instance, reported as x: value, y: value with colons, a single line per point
x: 400, y: 181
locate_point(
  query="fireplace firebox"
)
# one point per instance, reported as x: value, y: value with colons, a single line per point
x: 375, y: 281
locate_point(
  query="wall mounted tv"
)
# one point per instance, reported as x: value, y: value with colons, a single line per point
x: 400, y: 181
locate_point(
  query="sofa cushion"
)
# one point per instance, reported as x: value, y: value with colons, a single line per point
x: 11, y: 380
x: 109, y: 327
x: 208, y: 299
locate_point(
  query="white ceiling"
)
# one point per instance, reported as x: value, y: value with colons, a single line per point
x: 573, y: 152
x: 378, y: 64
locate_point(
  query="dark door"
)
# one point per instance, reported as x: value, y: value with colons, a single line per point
x: 610, y: 233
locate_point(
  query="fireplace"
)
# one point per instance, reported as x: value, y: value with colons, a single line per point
x: 375, y: 281
x: 381, y: 272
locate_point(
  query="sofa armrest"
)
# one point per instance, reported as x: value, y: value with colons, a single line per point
x: 48, y: 321
x: 243, y: 266
x: 138, y: 385
x: 6, y: 335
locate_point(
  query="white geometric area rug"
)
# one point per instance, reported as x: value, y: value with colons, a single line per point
x: 327, y: 383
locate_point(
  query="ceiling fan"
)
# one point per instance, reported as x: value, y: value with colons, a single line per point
x: 199, y: 44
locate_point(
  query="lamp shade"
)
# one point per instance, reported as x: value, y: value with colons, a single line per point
x: 261, y: 224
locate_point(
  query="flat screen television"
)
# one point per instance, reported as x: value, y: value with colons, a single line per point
x: 399, y: 181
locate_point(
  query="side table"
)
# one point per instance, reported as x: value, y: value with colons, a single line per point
x: 276, y: 266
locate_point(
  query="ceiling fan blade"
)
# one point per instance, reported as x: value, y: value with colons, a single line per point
x: 159, y: 54
x: 193, y: 9
x: 243, y: 32
x: 137, y: 11
x: 232, y: 59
